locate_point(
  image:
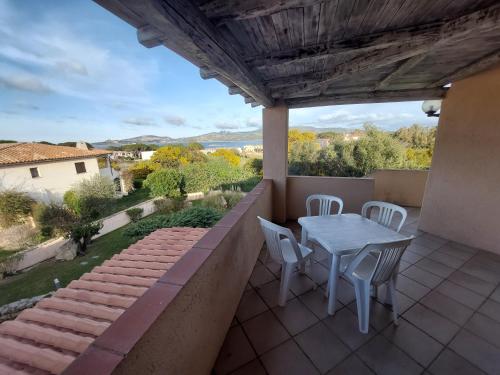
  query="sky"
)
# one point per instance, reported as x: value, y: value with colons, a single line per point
x: 70, y: 70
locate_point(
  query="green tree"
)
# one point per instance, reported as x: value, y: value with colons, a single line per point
x: 231, y: 156
x: 175, y: 156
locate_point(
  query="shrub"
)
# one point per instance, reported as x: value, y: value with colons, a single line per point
x: 54, y: 219
x: 82, y: 233
x: 166, y: 182
x: 138, y: 183
x: 196, y: 217
x: 215, y: 201
x: 167, y: 206
x: 96, y: 186
x: 15, y: 207
x: 135, y: 213
x: 71, y: 201
x: 142, y: 169
x: 230, y: 156
x: 232, y: 198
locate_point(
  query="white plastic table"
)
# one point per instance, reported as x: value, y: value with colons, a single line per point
x: 342, y: 235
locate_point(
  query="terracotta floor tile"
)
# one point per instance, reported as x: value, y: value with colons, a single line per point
x: 411, y: 288
x: 316, y: 301
x: 323, y: 348
x: 301, y: 283
x: 422, y: 276
x: 250, y: 305
x: 261, y: 275
x: 351, y: 366
x: 491, y: 309
x: 265, y: 332
x: 447, y: 307
x: 270, y: 293
x: 461, y: 294
x: 477, y: 351
x: 387, y: 359
x: 471, y: 282
x: 431, y: 323
x: 421, y: 347
x: 450, y: 363
x: 344, y: 324
x: 484, y: 327
x: 295, y: 316
x: 434, y: 267
x: 235, y: 352
x: 288, y: 359
x: 251, y: 368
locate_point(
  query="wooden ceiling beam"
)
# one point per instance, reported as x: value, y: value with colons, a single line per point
x: 400, y: 70
x: 367, y: 97
x: 482, y: 20
x: 191, y: 34
x: 477, y: 66
x: 223, y: 10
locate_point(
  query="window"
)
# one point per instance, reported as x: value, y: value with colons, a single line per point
x: 80, y: 167
x: 34, y: 172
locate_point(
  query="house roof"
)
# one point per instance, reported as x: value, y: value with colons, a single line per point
x: 26, y: 153
x: 319, y: 52
x: 47, y: 338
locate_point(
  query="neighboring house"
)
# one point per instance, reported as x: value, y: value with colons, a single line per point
x: 46, y: 172
x: 146, y: 155
x: 124, y: 154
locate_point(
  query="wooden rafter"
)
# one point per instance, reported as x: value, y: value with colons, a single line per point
x: 205, y: 46
x: 367, y: 97
x: 224, y: 10
x: 477, y: 66
x: 484, y: 20
x: 400, y: 70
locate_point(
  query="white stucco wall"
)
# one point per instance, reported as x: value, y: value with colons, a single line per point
x: 55, y: 178
x: 146, y: 155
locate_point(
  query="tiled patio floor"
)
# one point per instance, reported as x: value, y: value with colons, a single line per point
x: 450, y: 319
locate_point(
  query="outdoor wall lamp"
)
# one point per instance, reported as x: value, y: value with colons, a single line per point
x: 431, y: 107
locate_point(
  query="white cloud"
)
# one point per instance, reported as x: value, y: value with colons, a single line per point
x: 175, y: 120
x: 140, y: 121
x: 55, y: 56
x: 254, y: 122
x: 226, y: 125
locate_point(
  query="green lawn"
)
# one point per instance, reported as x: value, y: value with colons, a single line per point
x: 40, y: 279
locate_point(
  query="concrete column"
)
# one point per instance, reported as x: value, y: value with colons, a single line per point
x: 275, y: 139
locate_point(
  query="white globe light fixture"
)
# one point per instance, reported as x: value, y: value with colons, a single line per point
x: 431, y: 107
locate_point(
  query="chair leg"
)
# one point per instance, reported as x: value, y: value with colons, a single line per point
x: 362, y: 290
x: 391, y: 291
x: 286, y: 273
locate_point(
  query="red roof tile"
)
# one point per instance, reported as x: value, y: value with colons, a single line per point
x: 25, y: 153
x: 47, y: 338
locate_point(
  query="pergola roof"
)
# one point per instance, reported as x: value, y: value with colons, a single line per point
x: 321, y: 52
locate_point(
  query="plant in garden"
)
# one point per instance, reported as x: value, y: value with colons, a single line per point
x: 141, y: 169
x: 15, y: 207
x: 166, y: 183
x: 229, y: 155
x: 196, y: 217
x: 81, y: 233
x: 232, y: 197
x: 135, y: 213
x: 215, y: 201
x: 174, y: 156
x: 167, y: 205
x: 54, y: 219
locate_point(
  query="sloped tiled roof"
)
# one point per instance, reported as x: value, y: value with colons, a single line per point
x: 47, y: 338
x: 23, y: 153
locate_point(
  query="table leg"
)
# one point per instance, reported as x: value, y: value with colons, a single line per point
x: 332, y: 281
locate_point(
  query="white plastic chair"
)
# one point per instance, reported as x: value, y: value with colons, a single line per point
x: 284, y: 249
x: 374, y: 265
x: 325, y: 204
x: 386, y: 213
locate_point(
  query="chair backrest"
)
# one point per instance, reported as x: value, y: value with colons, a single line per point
x: 325, y: 204
x: 386, y: 212
x: 274, y: 234
x: 388, y: 254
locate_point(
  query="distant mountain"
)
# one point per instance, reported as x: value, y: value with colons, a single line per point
x: 222, y: 136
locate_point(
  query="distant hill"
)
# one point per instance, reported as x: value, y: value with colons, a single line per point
x: 222, y: 136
